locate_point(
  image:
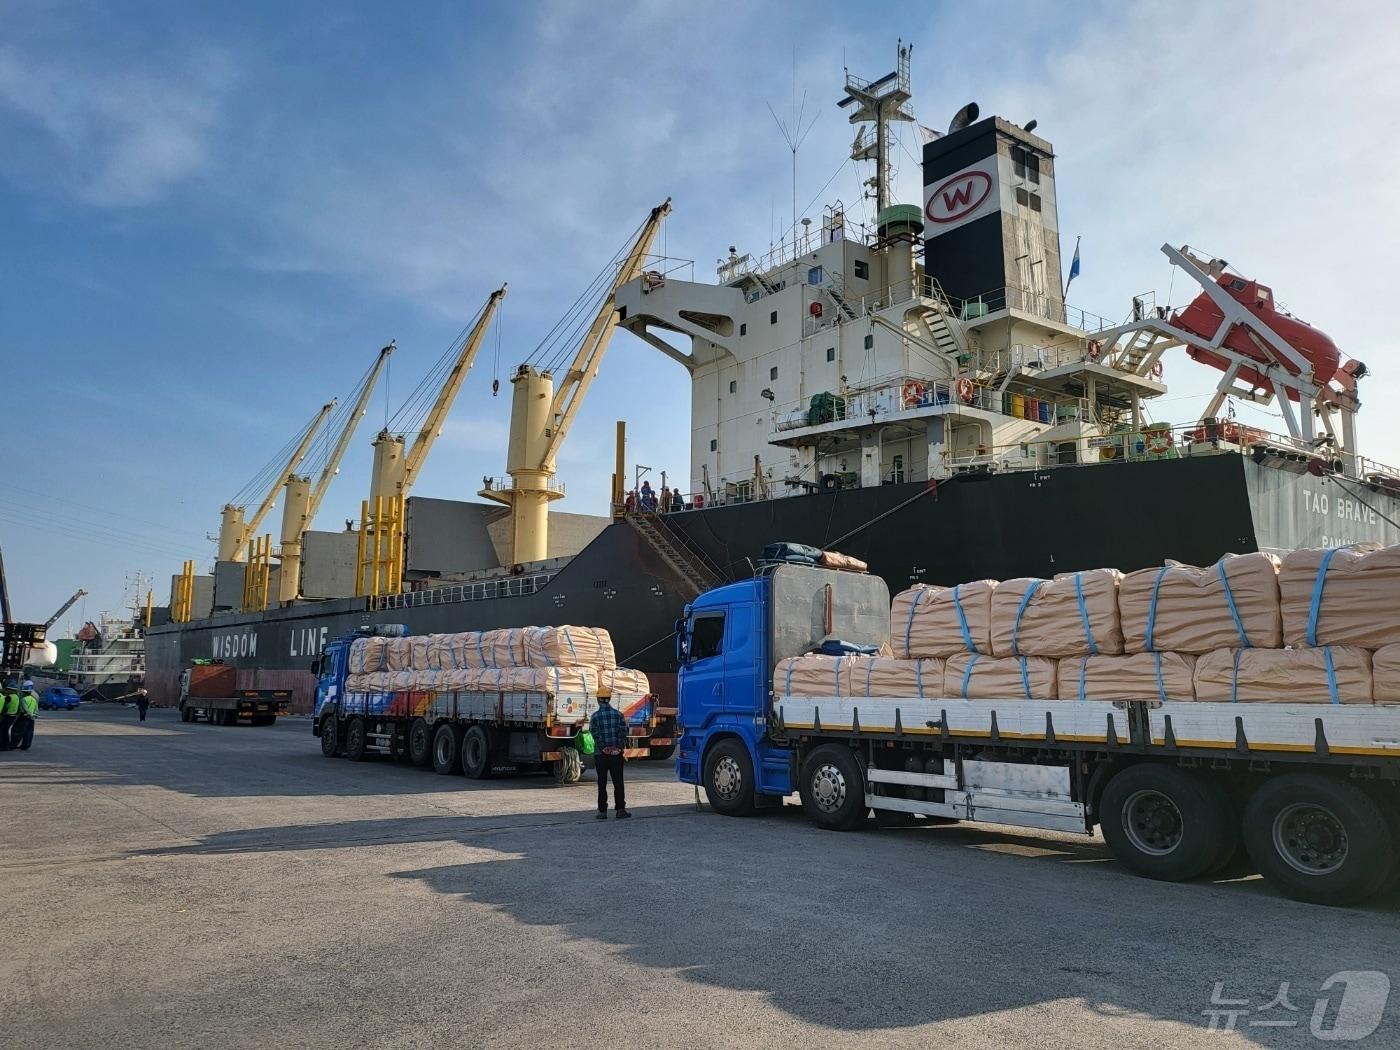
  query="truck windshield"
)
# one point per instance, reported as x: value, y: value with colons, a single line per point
x: 707, y: 636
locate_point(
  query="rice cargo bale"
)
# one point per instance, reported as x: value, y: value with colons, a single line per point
x: 969, y: 676
x: 942, y: 621
x: 1185, y: 609
x: 1385, y: 674
x: 568, y: 645
x: 1139, y: 676
x: 813, y: 675
x: 1356, y: 591
x: 887, y: 676
x: 1075, y: 614
x: 1285, y: 676
x: 624, y: 683
x: 398, y: 654
x: 367, y: 655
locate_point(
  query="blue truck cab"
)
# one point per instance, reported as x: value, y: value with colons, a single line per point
x: 728, y: 644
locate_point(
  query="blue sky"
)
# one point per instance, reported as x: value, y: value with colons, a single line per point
x: 209, y: 222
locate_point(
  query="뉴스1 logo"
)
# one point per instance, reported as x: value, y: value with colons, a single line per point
x: 958, y: 196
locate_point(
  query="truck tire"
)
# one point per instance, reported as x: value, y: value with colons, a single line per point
x: 476, y: 753
x: 1319, y: 839
x: 729, y: 782
x: 447, y: 749
x: 1165, y: 823
x: 832, y: 787
x: 330, y: 736
x: 420, y: 743
x: 355, y: 739
x: 569, y: 768
x: 662, y: 753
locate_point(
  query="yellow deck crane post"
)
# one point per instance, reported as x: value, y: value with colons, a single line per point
x: 234, y: 531
x: 540, y: 416
x: 379, y: 564
x: 303, y: 499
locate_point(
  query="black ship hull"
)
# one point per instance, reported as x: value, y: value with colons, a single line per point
x: 1127, y: 515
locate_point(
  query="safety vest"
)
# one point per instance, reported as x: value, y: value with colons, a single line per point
x: 29, y: 705
x: 12, y: 704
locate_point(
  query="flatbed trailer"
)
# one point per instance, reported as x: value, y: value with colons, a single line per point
x: 1307, y: 794
x: 259, y: 707
x: 472, y: 733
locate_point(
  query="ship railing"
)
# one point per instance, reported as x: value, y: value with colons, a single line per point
x: 1040, y: 304
x: 507, y: 484
x: 869, y: 402
x: 507, y: 587
x: 1367, y: 467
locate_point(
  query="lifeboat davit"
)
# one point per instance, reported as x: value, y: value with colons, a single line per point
x: 1203, y: 318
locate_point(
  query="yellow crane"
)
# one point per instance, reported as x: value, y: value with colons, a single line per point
x: 234, y: 530
x: 303, y: 500
x: 379, y: 563
x: 540, y: 416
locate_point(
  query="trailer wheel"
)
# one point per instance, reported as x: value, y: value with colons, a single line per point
x: 447, y: 746
x: 569, y: 768
x: 833, y: 788
x: 1164, y: 823
x: 330, y: 736
x: 476, y: 753
x: 355, y: 739
x: 662, y: 753
x: 729, y: 780
x: 1319, y: 839
x: 420, y: 743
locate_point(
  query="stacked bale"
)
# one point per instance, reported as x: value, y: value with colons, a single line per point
x: 887, y: 676
x: 1185, y: 609
x: 1385, y: 674
x: 971, y: 676
x: 1139, y: 676
x: 1339, y: 673
x: 1075, y: 614
x: 943, y: 621
x: 1341, y: 596
x: 813, y: 675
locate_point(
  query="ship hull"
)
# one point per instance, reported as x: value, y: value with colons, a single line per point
x: 1127, y: 515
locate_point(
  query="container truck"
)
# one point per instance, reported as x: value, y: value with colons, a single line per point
x: 475, y: 733
x: 1306, y: 793
x: 209, y: 690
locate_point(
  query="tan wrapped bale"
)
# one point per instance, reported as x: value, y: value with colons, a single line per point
x: 398, y: 654
x: 568, y: 645
x: 942, y: 621
x: 624, y: 682
x: 969, y: 676
x: 1385, y: 674
x: 1075, y: 614
x: 1359, y: 596
x: 1140, y: 676
x: 814, y: 675
x: 1285, y: 676
x: 886, y: 676
x: 1195, y: 610
x: 367, y: 655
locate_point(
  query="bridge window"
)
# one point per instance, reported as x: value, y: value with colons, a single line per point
x: 814, y: 275
x: 773, y: 317
x: 862, y: 270
x: 743, y: 329
x: 713, y: 444
x: 773, y: 372
x: 831, y: 353
x: 869, y: 342
x: 733, y: 386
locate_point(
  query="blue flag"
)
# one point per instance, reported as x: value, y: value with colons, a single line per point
x: 1073, y: 266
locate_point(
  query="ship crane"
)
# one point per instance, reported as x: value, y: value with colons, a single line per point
x: 303, y: 499
x: 234, y: 531
x: 540, y: 416
x: 79, y: 593
x: 394, y: 471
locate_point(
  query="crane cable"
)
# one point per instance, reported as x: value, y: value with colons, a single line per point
x: 263, y: 479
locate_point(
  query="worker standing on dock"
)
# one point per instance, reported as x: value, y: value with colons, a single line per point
x: 609, y: 730
x: 22, y: 735
x: 9, y: 711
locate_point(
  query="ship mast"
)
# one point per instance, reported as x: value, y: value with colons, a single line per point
x: 878, y: 102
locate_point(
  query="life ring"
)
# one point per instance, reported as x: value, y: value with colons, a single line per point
x: 1157, y: 370
x: 1095, y: 349
x: 1157, y: 441
x: 913, y: 393
x: 964, y: 390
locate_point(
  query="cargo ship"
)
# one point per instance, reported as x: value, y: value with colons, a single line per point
x: 916, y: 393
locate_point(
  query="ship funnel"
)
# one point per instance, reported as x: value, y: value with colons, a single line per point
x: 963, y: 117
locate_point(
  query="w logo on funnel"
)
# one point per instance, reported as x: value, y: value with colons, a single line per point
x: 958, y: 197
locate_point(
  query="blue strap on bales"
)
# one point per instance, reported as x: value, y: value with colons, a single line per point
x: 1083, y: 667
x: 1025, y: 679
x: 919, y: 677
x: 962, y: 619
x: 1161, y: 689
x: 1020, y: 611
x: 909, y: 622
x: 1316, y: 606
x: 1331, y: 674
x: 1230, y: 601
x: 1235, y: 679
x: 787, y: 684
x: 570, y: 639
x: 1084, y: 612
x: 838, y: 674
x: 481, y: 648
x: 967, y: 674
x: 869, y: 670
x: 1152, y: 608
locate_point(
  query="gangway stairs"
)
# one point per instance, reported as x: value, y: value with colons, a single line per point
x: 682, y: 555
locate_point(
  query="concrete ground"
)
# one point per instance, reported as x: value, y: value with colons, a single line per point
x: 171, y: 885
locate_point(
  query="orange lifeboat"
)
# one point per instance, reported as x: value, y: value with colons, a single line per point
x: 1203, y: 318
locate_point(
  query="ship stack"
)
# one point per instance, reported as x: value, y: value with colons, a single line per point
x: 565, y: 660
x: 1320, y: 625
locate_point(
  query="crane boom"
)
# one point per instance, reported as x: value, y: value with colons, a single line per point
x: 432, y: 423
x: 79, y: 593
x: 332, y: 467
x: 235, y: 532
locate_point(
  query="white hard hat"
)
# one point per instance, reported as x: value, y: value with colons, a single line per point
x: 28, y: 684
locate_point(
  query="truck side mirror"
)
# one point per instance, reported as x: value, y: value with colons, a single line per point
x: 682, y: 644
x: 316, y: 667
